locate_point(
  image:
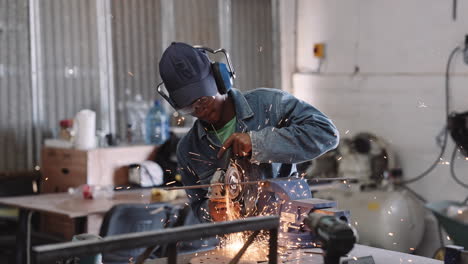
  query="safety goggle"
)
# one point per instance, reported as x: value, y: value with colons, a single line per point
x: 196, y: 106
x: 199, y: 104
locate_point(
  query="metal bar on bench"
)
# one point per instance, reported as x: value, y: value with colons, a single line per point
x: 158, y: 237
x: 273, y: 246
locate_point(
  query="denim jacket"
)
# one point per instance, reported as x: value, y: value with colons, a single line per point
x: 282, y: 128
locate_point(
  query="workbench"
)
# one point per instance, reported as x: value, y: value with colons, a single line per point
x: 70, y: 207
x: 380, y: 256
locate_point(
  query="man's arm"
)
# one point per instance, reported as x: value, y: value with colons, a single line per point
x: 197, y: 197
x: 303, y: 133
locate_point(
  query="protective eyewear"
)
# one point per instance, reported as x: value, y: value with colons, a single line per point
x: 196, y: 106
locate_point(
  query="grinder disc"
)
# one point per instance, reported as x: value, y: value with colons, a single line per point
x: 232, y: 177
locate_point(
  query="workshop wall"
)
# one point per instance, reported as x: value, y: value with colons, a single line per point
x: 69, y: 66
x: 136, y: 47
x: 252, y: 44
x: 383, y: 73
x: 15, y: 96
x: 57, y: 57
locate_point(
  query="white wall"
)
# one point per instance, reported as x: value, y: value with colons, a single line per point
x: 401, y: 48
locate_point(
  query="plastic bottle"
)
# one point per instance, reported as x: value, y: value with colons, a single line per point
x: 137, y: 110
x: 157, y: 125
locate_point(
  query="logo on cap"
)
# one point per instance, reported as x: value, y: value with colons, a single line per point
x: 184, y: 68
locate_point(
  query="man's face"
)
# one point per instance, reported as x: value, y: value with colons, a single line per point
x: 206, y: 108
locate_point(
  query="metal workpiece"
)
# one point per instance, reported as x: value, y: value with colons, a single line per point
x: 46, y: 253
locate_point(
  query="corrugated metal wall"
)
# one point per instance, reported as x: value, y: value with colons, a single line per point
x: 15, y: 93
x: 252, y: 43
x: 136, y: 38
x: 68, y: 65
x: 196, y: 22
x: 69, y: 60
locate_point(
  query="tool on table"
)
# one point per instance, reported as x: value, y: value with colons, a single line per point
x: 242, y: 183
x: 294, y: 202
x: 336, y: 236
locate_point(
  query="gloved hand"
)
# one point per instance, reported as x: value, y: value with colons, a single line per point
x: 219, y: 211
x: 240, y: 143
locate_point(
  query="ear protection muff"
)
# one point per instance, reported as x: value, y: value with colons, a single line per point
x: 224, y: 75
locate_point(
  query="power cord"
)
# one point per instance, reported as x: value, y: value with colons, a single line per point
x: 445, y: 133
x: 452, y: 170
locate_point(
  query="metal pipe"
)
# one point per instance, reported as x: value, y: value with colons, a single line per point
x: 158, y: 237
x: 273, y: 246
x: 172, y: 254
x: 255, y: 182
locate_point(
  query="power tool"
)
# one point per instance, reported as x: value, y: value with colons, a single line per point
x: 290, y: 198
x: 458, y: 127
x: 337, y: 237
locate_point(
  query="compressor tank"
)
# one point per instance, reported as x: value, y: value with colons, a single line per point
x: 392, y: 220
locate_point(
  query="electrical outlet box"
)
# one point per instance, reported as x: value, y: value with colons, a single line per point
x: 465, y: 50
x: 319, y: 50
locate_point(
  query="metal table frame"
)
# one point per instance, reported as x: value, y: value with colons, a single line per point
x: 46, y: 253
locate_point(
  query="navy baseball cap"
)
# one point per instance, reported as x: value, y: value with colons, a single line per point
x: 186, y: 73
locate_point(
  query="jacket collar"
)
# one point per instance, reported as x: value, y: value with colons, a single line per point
x: 243, y: 110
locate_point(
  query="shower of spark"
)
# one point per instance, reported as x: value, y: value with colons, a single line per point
x: 232, y: 243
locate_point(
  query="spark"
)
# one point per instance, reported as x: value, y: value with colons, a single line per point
x: 421, y: 104
x: 339, y: 158
x: 448, y: 238
x: 46, y: 178
x: 171, y: 182
x: 130, y: 73
x: 196, y: 154
x: 390, y: 234
x: 347, y: 131
x: 204, y: 161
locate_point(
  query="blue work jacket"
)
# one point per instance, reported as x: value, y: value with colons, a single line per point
x: 282, y: 128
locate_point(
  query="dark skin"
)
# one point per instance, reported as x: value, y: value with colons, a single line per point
x: 217, y: 112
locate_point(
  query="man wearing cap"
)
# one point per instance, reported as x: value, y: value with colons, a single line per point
x: 267, y: 127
